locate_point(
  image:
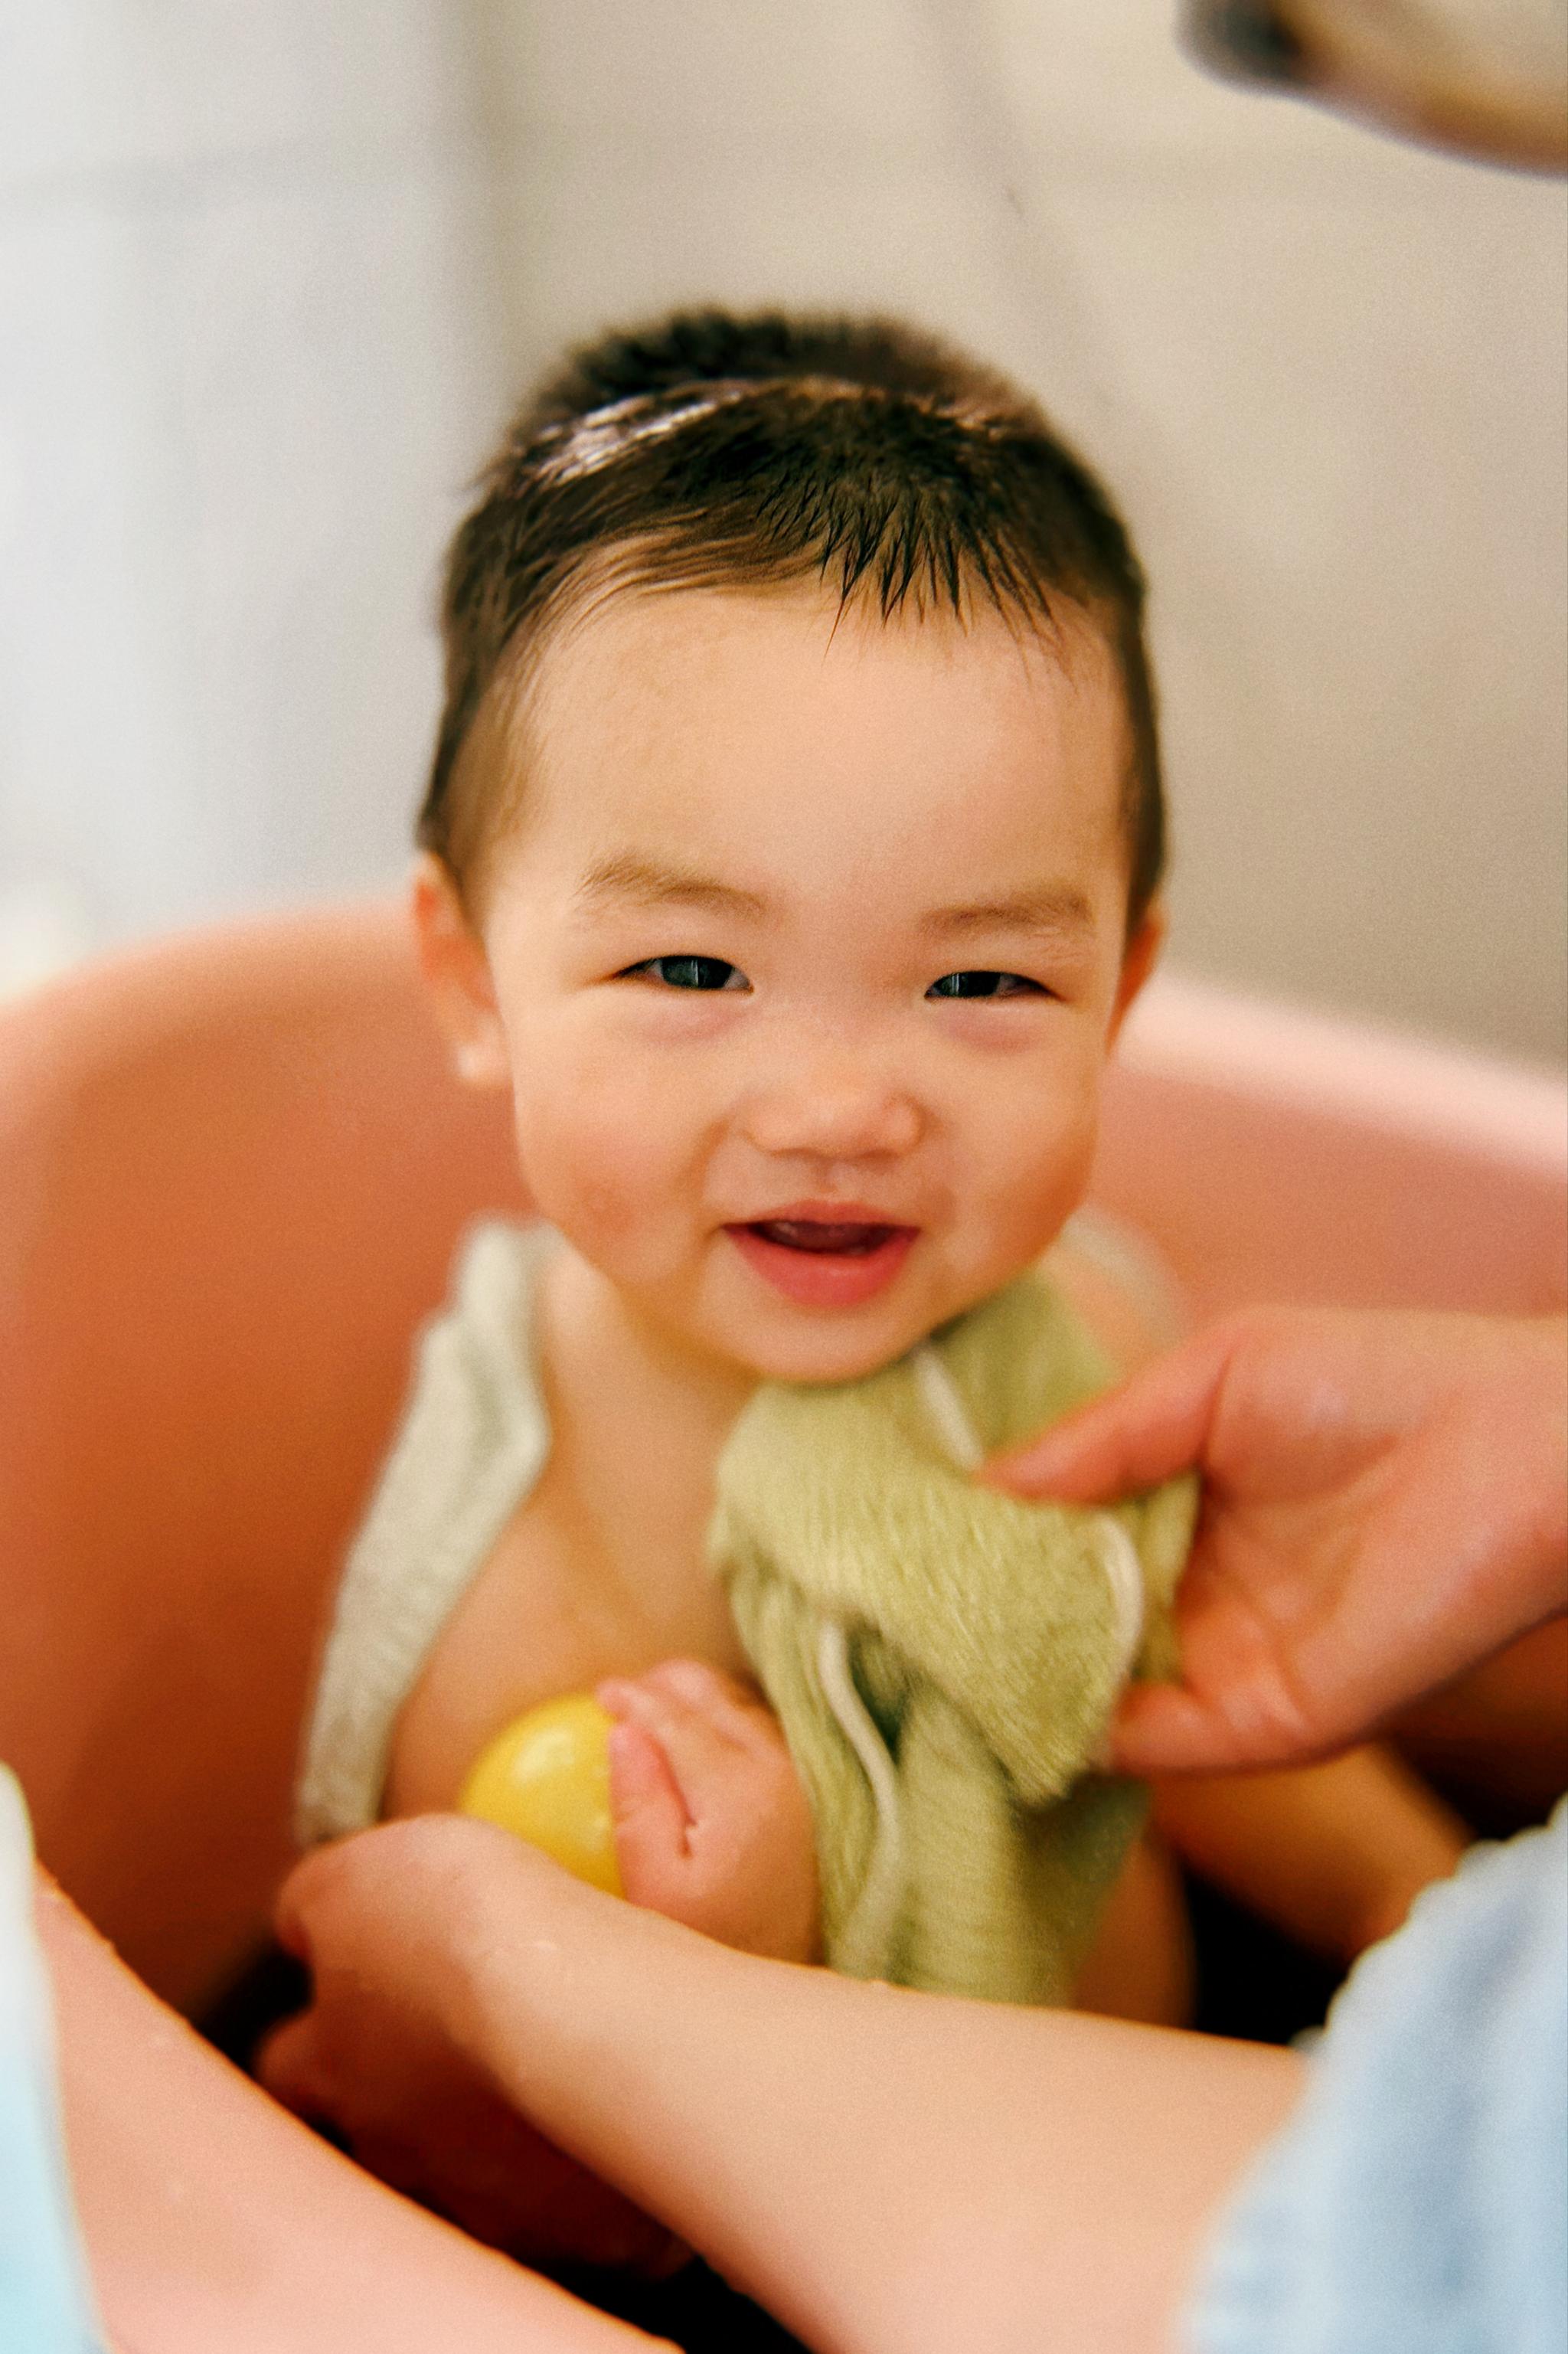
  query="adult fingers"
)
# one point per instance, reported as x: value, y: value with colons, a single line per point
x: 1171, y: 1729
x: 1155, y: 1426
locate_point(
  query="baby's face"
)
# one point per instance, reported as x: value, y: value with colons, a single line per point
x: 806, y: 952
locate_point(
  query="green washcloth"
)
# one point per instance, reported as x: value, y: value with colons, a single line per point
x: 943, y: 1659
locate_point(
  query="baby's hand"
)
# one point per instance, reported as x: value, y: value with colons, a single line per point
x: 711, y: 1827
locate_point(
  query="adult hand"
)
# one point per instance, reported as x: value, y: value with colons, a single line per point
x: 889, y: 2173
x: 391, y: 1922
x: 1385, y: 1504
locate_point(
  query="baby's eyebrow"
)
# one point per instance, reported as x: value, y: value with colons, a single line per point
x: 650, y: 882
x: 1059, y: 907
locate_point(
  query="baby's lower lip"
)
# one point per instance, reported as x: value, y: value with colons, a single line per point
x: 823, y: 1266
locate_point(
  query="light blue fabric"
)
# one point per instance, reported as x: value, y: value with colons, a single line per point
x: 1417, y: 2202
x: 45, y: 2306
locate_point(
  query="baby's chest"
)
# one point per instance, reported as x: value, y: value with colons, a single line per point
x: 559, y: 1605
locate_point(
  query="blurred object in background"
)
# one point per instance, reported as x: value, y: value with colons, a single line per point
x: 273, y: 272
x: 1487, y: 76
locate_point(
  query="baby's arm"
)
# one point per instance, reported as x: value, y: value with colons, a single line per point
x: 712, y: 1826
x: 1333, y: 1854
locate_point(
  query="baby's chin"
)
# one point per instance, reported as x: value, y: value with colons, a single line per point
x: 819, y: 1351
x: 823, y: 1368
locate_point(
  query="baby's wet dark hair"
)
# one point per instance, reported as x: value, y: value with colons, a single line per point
x: 708, y: 450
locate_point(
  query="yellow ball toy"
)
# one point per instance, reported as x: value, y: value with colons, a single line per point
x: 546, y: 1777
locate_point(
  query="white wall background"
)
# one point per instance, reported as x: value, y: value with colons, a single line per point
x: 246, y: 363
x: 270, y: 272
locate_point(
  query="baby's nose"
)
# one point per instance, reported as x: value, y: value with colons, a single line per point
x: 835, y: 1114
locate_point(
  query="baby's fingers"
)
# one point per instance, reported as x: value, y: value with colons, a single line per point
x: 650, y: 1816
x: 685, y: 1794
x: 289, y: 2065
x: 729, y: 1707
x: 739, y: 1862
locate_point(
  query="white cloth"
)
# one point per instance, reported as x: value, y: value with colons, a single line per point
x: 472, y: 1443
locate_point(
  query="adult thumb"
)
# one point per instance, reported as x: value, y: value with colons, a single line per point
x: 1153, y: 1427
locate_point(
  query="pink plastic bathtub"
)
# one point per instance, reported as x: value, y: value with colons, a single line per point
x: 233, y: 1169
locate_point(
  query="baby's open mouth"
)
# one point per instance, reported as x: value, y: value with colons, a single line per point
x: 825, y: 1262
x: 851, y: 1239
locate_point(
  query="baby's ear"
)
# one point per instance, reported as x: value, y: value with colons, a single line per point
x: 457, y: 974
x: 1139, y: 960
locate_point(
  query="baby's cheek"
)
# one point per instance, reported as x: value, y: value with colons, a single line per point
x: 1040, y: 1166
x: 597, y: 1166
x: 580, y: 1167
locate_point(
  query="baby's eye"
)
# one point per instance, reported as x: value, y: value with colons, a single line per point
x: 985, y: 984
x: 690, y: 973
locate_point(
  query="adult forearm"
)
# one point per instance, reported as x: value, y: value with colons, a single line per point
x: 889, y: 2172
x: 213, y: 2222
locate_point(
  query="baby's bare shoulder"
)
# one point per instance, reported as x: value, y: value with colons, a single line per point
x: 535, y: 1622
x: 559, y: 1605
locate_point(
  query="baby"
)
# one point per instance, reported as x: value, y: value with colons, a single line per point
x: 790, y: 859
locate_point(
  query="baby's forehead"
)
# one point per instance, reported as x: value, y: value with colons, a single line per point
x: 736, y: 713
x: 620, y: 644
